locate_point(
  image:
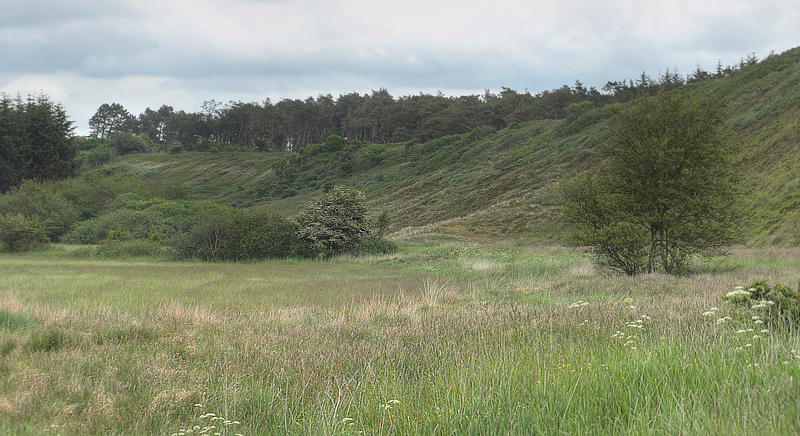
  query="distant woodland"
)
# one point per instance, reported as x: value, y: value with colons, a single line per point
x: 378, y: 117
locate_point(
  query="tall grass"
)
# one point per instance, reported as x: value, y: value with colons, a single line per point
x: 503, y: 340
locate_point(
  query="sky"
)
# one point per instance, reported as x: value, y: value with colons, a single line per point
x: 148, y: 53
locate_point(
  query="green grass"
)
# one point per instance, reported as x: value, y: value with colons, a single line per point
x: 83, y: 284
x: 444, y: 338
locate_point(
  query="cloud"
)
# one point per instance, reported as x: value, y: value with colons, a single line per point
x: 181, y: 52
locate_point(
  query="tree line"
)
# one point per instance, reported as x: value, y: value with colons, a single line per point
x: 376, y: 117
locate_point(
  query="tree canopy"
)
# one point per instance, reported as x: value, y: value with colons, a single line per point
x: 35, y: 141
x: 667, y: 191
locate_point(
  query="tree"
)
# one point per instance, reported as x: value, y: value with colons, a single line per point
x: 35, y: 141
x: 666, y: 192
x: 125, y: 143
x: 110, y: 119
x: 335, y: 222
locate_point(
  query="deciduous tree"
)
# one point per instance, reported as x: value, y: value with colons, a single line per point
x: 667, y: 191
x: 110, y: 119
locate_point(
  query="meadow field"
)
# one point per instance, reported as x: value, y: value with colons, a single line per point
x: 443, y: 338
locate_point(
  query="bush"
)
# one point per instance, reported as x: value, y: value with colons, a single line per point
x: 127, y: 248
x: 260, y: 235
x: 18, y: 234
x: 126, y: 143
x: 202, y: 237
x: 774, y: 303
x: 41, y: 202
x: 375, y: 246
x: 335, y: 222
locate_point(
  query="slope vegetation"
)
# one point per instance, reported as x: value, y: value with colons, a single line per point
x: 490, y: 184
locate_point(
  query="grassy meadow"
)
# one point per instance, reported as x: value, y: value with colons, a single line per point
x: 442, y: 338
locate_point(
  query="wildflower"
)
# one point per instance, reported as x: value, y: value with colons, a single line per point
x: 738, y: 295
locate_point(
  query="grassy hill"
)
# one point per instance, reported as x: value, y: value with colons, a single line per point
x: 491, y: 184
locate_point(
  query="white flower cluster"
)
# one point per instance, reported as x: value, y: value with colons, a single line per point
x: 216, y: 426
x: 738, y: 294
x: 578, y: 304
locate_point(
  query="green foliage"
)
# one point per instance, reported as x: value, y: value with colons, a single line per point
x: 335, y: 222
x: 19, y: 234
x: 94, y: 192
x: 126, y: 143
x: 204, y: 239
x: 779, y: 303
x: 382, y: 223
x: 667, y: 192
x: 35, y: 141
x: 109, y: 120
x: 42, y: 202
x: 375, y: 245
x: 260, y: 235
x: 129, y: 248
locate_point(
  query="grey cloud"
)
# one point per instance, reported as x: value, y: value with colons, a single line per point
x: 29, y: 13
x: 68, y: 49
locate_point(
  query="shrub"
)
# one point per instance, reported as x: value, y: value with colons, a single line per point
x: 202, y: 237
x: 126, y: 248
x: 259, y: 235
x: 41, y: 202
x: 126, y: 143
x: 776, y: 302
x: 375, y: 245
x: 18, y: 234
x: 335, y: 222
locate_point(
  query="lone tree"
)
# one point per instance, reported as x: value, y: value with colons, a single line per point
x: 109, y: 120
x: 666, y: 192
x: 336, y: 221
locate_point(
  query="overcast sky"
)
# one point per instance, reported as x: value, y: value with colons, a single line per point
x: 146, y: 53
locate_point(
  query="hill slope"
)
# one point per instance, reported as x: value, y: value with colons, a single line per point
x: 501, y: 184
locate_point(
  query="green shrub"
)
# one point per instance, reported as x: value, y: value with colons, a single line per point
x: 18, y: 234
x: 41, y: 202
x: 774, y: 303
x: 259, y: 235
x: 375, y: 246
x: 127, y: 248
x: 335, y: 222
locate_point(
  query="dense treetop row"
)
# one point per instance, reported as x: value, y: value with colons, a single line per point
x: 378, y: 117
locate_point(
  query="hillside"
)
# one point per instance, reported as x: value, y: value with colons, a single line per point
x: 490, y: 184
